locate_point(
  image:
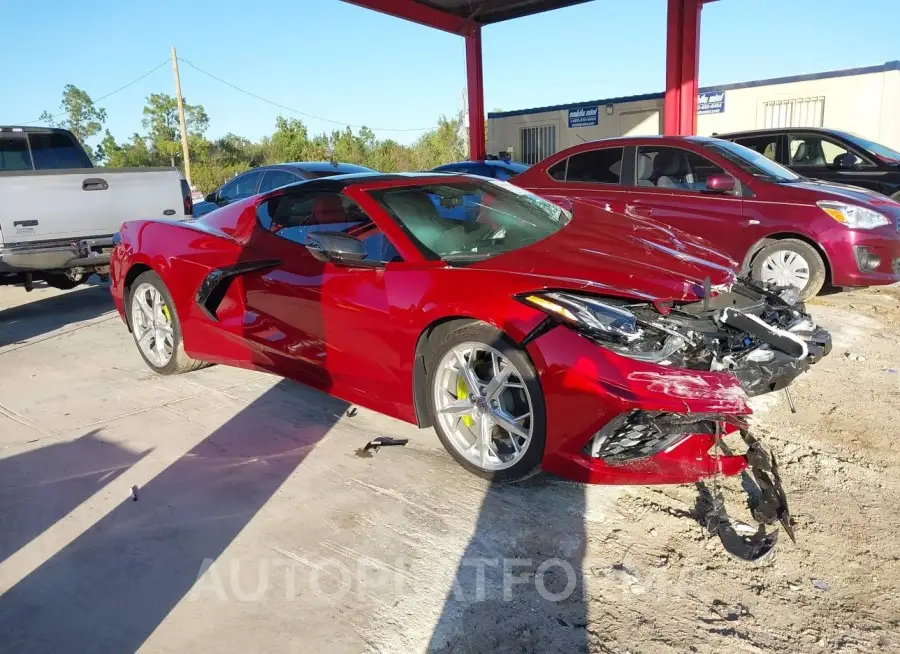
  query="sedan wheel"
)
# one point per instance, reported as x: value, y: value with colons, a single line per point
x: 152, y: 324
x: 485, y: 406
x: 786, y: 268
x: 790, y: 262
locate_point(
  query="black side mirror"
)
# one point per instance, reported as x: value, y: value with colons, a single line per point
x: 210, y: 198
x: 846, y: 161
x: 335, y: 247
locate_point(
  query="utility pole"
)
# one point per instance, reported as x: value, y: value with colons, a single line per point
x: 184, y: 138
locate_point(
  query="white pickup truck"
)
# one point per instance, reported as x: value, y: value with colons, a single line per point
x: 58, y: 213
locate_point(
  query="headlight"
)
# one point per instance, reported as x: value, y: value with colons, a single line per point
x: 611, y: 326
x: 853, y: 215
x: 588, y: 314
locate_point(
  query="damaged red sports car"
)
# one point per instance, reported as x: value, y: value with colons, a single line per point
x: 600, y: 347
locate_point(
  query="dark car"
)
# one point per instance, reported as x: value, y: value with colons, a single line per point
x: 828, y: 154
x: 495, y: 168
x: 268, y: 178
x: 781, y: 228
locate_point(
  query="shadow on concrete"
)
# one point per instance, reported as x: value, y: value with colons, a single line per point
x: 41, y: 486
x: 112, y: 586
x: 25, y: 321
x: 520, y: 585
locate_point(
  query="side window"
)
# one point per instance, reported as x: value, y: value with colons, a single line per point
x: 293, y: 216
x: 14, y: 153
x: 242, y: 186
x: 817, y: 151
x: 765, y: 145
x: 596, y: 167
x: 558, y: 170
x: 503, y: 174
x: 674, y: 168
x: 274, y: 179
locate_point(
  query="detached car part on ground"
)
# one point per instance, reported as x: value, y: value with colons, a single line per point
x: 600, y: 347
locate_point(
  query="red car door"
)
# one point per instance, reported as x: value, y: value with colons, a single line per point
x: 593, y: 175
x: 670, y: 187
x: 322, y: 320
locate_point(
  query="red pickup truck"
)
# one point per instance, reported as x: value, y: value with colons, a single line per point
x: 780, y: 227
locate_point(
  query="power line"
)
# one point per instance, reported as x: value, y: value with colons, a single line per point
x: 111, y: 93
x: 297, y: 111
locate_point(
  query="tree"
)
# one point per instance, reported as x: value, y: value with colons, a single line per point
x: 164, y: 132
x: 82, y: 118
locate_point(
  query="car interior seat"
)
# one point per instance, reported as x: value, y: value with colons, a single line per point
x: 644, y: 170
x: 670, y: 170
x: 417, y: 213
x: 328, y: 209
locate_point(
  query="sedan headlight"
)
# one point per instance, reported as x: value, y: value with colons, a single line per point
x: 853, y: 215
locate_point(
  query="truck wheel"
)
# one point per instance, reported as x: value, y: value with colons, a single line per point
x: 156, y: 328
x: 790, y: 262
x: 66, y: 280
x: 486, y: 403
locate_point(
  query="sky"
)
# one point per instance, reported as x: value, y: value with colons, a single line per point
x: 340, y: 62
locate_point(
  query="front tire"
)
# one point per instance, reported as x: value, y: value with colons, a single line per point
x: 790, y: 262
x: 156, y: 328
x: 486, y: 403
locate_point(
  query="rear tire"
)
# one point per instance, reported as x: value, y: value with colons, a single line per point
x: 513, y: 460
x: 783, y: 256
x: 177, y: 361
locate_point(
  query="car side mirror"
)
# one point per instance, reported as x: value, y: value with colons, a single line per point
x: 720, y: 184
x: 335, y: 247
x: 846, y: 161
x: 210, y: 198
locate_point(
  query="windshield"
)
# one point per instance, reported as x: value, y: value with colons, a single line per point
x: 471, y: 220
x: 753, y: 162
x: 882, y: 151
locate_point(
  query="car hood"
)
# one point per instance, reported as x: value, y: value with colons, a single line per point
x: 615, y: 254
x: 841, y: 192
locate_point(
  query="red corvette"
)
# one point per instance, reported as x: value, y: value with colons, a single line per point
x: 600, y: 347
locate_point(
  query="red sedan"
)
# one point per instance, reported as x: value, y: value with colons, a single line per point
x: 601, y: 348
x: 782, y: 228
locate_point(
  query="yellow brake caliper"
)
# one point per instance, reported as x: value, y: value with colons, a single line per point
x: 462, y: 393
x: 165, y: 310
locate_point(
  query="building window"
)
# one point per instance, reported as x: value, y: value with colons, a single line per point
x: 537, y: 143
x: 800, y: 112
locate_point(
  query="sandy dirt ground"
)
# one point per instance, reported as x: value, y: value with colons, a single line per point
x: 253, y: 473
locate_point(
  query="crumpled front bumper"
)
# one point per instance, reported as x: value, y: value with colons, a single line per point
x: 778, y: 369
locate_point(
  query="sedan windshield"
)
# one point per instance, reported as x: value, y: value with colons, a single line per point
x: 753, y: 162
x: 881, y: 151
x: 471, y: 220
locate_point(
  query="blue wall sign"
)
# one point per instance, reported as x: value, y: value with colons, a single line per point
x: 583, y: 116
x: 710, y: 103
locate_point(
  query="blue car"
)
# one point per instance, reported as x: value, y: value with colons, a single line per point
x: 495, y: 168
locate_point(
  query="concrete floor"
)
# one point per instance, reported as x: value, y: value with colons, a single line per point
x: 256, y: 526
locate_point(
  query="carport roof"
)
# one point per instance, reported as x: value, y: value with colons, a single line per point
x: 494, y: 11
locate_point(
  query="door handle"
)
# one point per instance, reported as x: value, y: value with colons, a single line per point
x: 94, y: 184
x: 639, y: 211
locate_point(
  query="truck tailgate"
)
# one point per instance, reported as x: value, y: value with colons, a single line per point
x: 45, y: 205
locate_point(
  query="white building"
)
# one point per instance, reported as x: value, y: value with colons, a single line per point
x: 865, y: 101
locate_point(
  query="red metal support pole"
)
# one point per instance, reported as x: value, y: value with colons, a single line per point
x: 475, y: 91
x: 672, y: 103
x: 690, y: 66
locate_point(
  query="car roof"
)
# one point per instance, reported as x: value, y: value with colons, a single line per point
x: 515, y: 166
x: 327, y: 166
x: 779, y: 130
